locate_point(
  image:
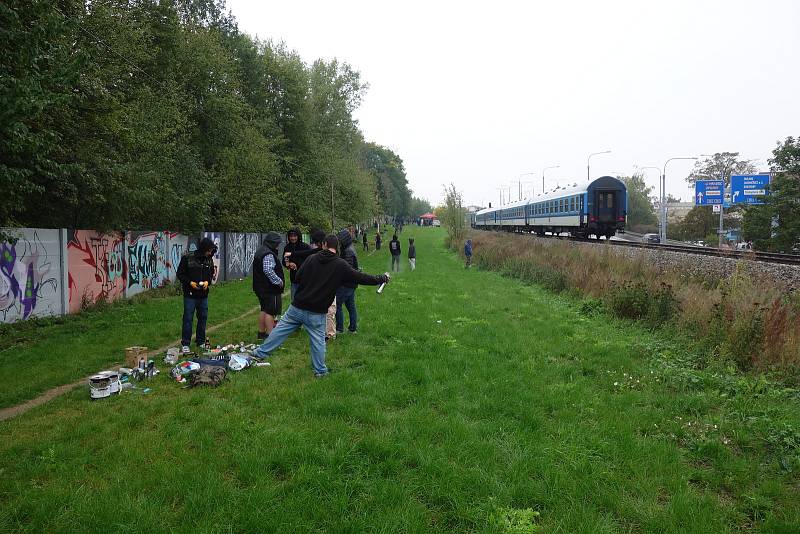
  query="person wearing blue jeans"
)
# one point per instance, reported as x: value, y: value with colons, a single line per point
x: 190, y: 307
x: 196, y: 272
x: 318, y: 278
x: 346, y: 297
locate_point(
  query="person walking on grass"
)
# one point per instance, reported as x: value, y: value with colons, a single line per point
x: 294, y: 243
x: 318, y: 278
x: 394, y: 249
x: 364, y: 241
x: 378, y: 240
x: 412, y: 253
x: 268, y: 283
x: 196, y: 271
x: 468, y: 253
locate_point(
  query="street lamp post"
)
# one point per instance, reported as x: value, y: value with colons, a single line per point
x: 545, y: 169
x: 520, y: 182
x: 663, y: 210
x: 590, y: 157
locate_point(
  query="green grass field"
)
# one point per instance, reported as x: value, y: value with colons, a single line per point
x: 466, y: 402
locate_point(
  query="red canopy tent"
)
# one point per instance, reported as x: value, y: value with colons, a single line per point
x: 427, y: 219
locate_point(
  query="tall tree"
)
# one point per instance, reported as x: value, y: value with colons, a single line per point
x: 776, y: 224
x: 721, y: 165
x: 640, y: 210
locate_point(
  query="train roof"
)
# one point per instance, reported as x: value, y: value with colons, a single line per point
x: 569, y: 190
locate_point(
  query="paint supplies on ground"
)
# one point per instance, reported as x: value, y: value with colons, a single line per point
x: 211, y: 375
x: 104, y: 384
x: 183, y: 369
x: 173, y: 353
x: 133, y: 355
x: 239, y: 361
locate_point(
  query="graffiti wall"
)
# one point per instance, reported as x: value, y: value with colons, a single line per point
x: 240, y: 249
x: 97, y: 269
x: 147, y: 261
x: 31, y: 277
x: 178, y: 246
x: 219, y: 272
x: 54, y: 272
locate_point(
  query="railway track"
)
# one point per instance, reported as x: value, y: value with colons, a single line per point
x: 768, y: 257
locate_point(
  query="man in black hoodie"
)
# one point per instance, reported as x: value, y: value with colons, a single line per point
x: 318, y: 278
x: 268, y: 282
x: 346, y: 294
x: 196, y: 272
x: 294, y: 243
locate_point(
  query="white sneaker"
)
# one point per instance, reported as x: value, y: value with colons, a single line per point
x: 185, y: 349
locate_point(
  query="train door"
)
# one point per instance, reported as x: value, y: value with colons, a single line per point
x: 607, y: 206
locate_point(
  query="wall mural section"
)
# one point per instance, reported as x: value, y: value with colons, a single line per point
x: 31, y: 274
x: 98, y: 270
x: 48, y: 272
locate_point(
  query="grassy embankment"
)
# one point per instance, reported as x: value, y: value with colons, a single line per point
x: 466, y: 401
x: 749, y: 323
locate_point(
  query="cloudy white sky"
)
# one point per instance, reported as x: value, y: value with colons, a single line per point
x: 479, y: 93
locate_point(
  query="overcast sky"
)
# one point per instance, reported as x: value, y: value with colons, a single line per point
x: 478, y: 93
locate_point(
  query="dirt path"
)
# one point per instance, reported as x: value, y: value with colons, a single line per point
x: 13, y: 411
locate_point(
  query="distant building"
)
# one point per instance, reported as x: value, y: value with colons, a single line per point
x: 676, y: 211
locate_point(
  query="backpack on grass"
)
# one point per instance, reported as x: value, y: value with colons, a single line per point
x: 207, y: 376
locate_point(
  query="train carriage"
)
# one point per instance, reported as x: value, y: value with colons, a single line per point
x: 598, y: 208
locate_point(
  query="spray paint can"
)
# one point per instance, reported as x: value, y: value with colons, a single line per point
x: 380, y: 288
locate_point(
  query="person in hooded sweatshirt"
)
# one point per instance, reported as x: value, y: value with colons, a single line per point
x: 394, y: 249
x: 412, y: 253
x: 318, y: 278
x: 294, y: 243
x: 346, y: 294
x: 268, y: 282
x: 196, y: 271
x: 468, y: 253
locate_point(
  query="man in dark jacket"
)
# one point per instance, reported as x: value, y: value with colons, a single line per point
x: 394, y: 249
x: 268, y: 282
x: 196, y: 271
x: 319, y: 277
x: 294, y: 243
x: 346, y: 294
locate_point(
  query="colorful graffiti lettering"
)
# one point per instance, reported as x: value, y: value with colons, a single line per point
x: 96, y: 268
x: 147, y: 262
x: 29, y: 283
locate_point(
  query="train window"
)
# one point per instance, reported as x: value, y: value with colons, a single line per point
x: 561, y: 205
x: 610, y: 200
x: 571, y: 203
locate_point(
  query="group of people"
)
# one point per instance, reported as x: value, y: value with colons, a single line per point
x: 323, y: 279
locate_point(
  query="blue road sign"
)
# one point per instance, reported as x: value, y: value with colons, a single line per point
x: 749, y: 188
x: 708, y: 192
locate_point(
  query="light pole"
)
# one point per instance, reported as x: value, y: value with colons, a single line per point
x: 546, y: 169
x: 663, y: 210
x: 590, y: 157
x: 520, y: 182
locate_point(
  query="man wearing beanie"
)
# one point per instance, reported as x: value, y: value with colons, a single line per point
x: 294, y: 243
x: 268, y: 282
x: 196, y: 272
x: 318, y: 278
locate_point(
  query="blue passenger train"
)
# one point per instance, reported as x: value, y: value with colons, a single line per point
x: 598, y: 208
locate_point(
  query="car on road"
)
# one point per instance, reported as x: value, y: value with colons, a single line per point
x: 651, y: 238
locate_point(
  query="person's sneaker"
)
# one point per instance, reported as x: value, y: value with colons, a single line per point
x: 320, y: 375
x: 353, y: 331
x: 185, y: 349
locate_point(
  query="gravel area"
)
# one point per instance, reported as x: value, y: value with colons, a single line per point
x: 696, y: 265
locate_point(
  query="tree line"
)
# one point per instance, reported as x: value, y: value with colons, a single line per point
x: 144, y: 114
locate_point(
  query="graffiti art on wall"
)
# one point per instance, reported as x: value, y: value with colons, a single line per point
x: 147, y: 261
x: 239, y: 252
x: 178, y: 246
x: 30, y: 276
x: 216, y: 237
x: 97, y: 267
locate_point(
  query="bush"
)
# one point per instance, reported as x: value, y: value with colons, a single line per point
x: 630, y: 301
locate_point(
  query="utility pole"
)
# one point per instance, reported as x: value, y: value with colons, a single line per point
x: 590, y: 157
x: 333, y: 210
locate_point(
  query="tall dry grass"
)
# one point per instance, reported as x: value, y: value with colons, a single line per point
x: 751, y: 323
